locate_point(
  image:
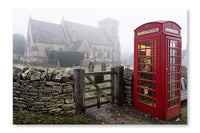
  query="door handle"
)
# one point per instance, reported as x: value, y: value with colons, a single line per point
x: 166, y: 69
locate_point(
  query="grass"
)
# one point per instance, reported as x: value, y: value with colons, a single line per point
x: 26, y: 117
x: 97, y: 68
x: 16, y: 57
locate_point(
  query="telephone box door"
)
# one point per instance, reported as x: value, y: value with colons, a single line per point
x: 145, y: 96
x: 173, y: 76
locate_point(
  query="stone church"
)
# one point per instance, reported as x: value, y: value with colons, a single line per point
x: 98, y: 44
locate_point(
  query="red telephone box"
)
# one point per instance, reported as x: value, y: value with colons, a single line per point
x: 157, y: 69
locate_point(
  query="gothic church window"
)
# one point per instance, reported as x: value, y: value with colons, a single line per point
x: 100, y: 54
x: 86, y: 55
x: 108, y: 54
x: 96, y: 53
x: 105, y: 53
x: 34, y: 50
x: 47, y: 51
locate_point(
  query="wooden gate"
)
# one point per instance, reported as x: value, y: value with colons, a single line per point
x: 98, y: 91
x: 112, y: 93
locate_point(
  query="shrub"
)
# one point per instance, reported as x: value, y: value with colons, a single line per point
x: 66, y: 58
x: 18, y: 44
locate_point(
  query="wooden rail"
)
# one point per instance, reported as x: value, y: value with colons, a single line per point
x: 99, y: 90
x: 103, y: 72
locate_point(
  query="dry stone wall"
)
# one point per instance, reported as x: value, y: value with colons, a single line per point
x: 128, y: 86
x: 43, y: 91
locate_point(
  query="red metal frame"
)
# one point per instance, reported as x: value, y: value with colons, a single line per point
x: 157, y: 67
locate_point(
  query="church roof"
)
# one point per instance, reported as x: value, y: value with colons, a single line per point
x: 94, y: 35
x: 67, y: 31
x: 47, y: 32
x: 76, y: 45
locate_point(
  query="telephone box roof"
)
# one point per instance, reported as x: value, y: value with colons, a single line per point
x: 159, y: 22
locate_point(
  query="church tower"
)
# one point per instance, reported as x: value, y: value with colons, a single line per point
x: 111, y: 28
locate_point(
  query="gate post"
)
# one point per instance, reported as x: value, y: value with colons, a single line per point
x: 119, y: 85
x: 113, y: 84
x: 79, y: 90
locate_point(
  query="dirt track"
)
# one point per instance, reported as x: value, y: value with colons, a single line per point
x: 113, y: 114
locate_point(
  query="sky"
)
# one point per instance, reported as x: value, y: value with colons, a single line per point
x: 129, y: 19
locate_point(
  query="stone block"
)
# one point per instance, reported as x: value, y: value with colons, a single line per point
x: 29, y: 100
x: 37, y: 108
x: 68, y: 107
x: 24, y: 75
x: 23, y: 95
x: 42, y: 83
x: 33, y: 90
x: 25, y: 70
x: 55, y: 111
x: 53, y: 75
x: 55, y: 101
x: 53, y: 106
x: 34, y: 84
x: 46, y: 98
x: 18, y: 98
x: 128, y: 92
x: 43, y: 94
x: 32, y: 93
x: 128, y: 82
x: 57, y: 89
x: 36, y: 76
x: 15, y: 84
x: 43, y: 75
x: 64, y: 79
x: 39, y: 103
x: 58, y: 77
x: 69, y: 100
x: 129, y: 95
x: 128, y: 74
x: 67, y: 89
x: 48, y: 90
x: 61, y: 101
x: 15, y: 95
x: 70, y: 113
x: 51, y: 83
x: 40, y: 90
x: 16, y: 73
x: 54, y: 94
x: 128, y: 99
x: 21, y: 105
x: 128, y: 87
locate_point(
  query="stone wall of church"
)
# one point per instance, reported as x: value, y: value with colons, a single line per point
x: 96, y: 53
x: 43, y: 48
x: 39, y: 52
x: 101, y: 53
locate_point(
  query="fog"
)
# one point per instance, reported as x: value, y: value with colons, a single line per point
x: 129, y: 20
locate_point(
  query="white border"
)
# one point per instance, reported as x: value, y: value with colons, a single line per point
x: 6, y: 60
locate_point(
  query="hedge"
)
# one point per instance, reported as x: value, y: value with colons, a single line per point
x: 66, y: 58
